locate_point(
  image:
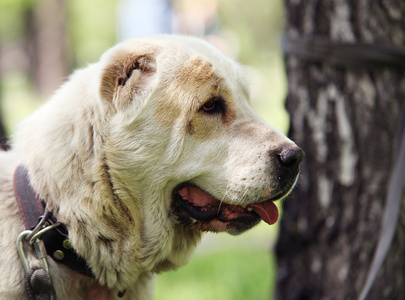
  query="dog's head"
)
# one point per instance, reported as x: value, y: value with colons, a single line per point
x: 183, y: 133
x: 141, y: 152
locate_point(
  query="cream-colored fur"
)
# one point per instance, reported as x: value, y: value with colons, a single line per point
x: 109, y: 148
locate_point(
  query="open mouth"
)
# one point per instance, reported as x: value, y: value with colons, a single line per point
x: 212, y: 214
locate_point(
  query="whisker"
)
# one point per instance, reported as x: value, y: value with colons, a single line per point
x: 222, y: 200
x: 241, y: 200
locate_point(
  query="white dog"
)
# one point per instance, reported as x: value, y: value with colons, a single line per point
x: 136, y: 156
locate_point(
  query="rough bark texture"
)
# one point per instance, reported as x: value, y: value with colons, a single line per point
x: 346, y: 120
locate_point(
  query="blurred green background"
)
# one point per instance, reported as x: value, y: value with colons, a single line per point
x: 223, y: 267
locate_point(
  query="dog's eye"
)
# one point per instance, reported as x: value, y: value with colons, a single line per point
x: 209, y: 105
x: 213, y: 106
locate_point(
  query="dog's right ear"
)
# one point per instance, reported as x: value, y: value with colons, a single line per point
x: 126, y: 78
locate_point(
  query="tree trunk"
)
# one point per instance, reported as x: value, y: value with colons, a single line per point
x: 3, y: 135
x: 346, y: 120
x: 47, y: 44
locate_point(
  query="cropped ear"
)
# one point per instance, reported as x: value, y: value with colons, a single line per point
x: 126, y: 77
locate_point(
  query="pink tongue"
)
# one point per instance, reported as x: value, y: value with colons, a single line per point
x: 267, y: 210
x: 196, y: 196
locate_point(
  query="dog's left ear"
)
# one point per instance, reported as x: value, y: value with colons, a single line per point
x: 126, y: 78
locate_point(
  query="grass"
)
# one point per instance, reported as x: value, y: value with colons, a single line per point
x: 225, y: 274
x: 225, y: 267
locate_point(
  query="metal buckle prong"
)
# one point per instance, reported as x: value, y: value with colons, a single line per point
x: 36, y: 235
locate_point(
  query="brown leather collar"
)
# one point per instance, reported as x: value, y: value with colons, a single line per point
x: 56, y: 240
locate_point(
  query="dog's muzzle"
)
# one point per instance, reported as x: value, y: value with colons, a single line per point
x: 194, y: 206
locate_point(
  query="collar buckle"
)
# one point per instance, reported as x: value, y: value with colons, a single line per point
x: 37, y: 280
x: 33, y: 238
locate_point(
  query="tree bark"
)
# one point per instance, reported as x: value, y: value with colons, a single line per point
x: 47, y: 44
x: 3, y: 136
x: 346, y: 120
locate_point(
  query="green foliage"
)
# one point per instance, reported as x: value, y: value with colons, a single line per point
x: 11, y: 23
x: 20, y: 100
x: 10, y: 4
x: 257, y: 24
x: 92, y: 28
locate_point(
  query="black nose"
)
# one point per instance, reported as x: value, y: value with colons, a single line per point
x: 291, y: 157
